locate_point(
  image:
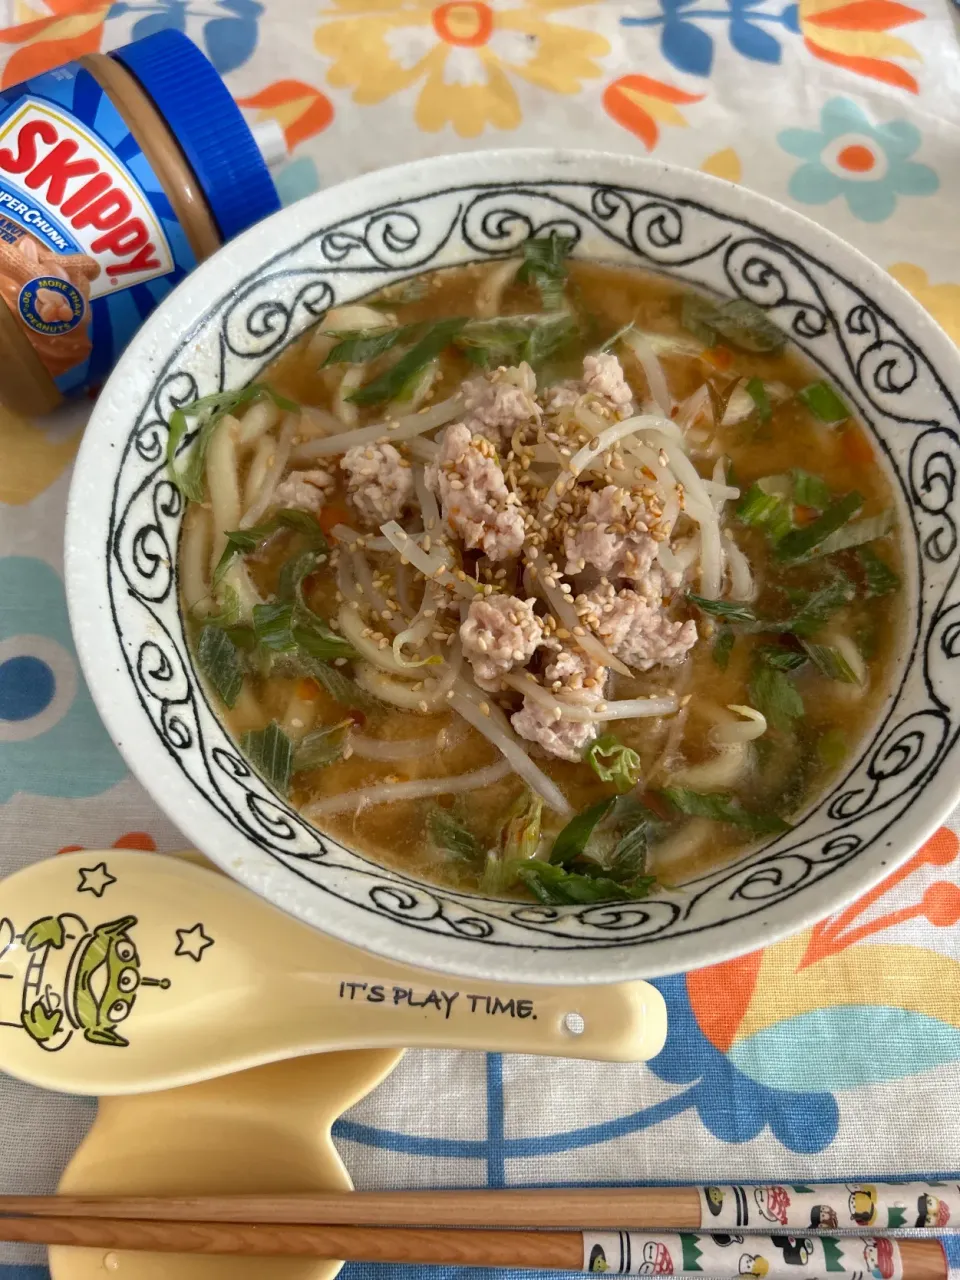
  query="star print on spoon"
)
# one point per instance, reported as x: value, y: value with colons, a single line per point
x: 192, y: 942
x: 95, y: 880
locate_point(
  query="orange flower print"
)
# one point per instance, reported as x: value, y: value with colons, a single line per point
x: 466, y: 56
x: 73, y: 28
x: 642, y: 105
x: 854, y: 34
x: 299, y: 109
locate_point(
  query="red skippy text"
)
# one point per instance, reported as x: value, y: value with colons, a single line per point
x: 94, y: 199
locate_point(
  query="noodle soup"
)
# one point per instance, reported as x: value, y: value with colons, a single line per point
x: 544, y: 578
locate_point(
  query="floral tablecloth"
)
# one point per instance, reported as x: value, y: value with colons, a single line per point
x: 834, y: 1054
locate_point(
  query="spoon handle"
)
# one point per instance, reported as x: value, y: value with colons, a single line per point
x: 625, y: 1023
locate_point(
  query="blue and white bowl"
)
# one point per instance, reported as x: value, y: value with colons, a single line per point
x: 242, y: 307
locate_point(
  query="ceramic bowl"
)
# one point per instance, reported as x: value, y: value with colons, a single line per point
x: 242, y: 307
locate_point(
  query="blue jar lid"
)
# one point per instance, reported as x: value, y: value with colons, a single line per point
x: 204, y: 119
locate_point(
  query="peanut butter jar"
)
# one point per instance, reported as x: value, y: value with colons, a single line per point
x: 118, y: 174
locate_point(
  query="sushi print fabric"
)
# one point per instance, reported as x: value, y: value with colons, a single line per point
x: 833, y: 1055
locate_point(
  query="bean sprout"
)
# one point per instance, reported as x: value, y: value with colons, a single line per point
x: 493, y: 725
x: 652, y: 368
x: 414, y: 424
x: 590, y: 713
x: 393, y: 792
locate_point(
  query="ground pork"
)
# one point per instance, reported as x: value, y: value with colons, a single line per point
x: 603, y: 380
x: 603, y: 377
x: 611, y: 536
x: 497, y: 403
x: 570, y: 671
x: 379, y: 482
x: 634, y: 626
x: 562, y: 395
x: 473, y: 494
x: 305, y: 490
x: 498, y: 634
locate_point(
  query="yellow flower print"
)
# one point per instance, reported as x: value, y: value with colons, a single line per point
x: 465, y: 55
x: 941, y: 300
x: 32, y: 456
x: 724, y: 164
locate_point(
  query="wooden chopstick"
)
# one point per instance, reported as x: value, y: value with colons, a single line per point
x: 543, y: 1250
x: 592, y: 1206
x: 865, y: 1208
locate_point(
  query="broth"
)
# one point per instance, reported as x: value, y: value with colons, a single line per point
x: 794, y: 646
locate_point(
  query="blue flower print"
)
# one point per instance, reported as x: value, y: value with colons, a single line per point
x: 686, y: 43
x: 228, y: 31
x: 51, y: 740
x: 868, y: 164
x: 297, y: 179
x: 731, y: 1105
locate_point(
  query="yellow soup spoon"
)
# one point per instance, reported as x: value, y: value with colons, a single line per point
x: 125, y: 972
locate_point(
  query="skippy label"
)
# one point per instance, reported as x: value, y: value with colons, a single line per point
x: 89, y: 242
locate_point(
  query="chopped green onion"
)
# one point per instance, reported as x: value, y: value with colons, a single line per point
x: 226, y: 615
x: 544, y: 265
x: 245, y: 540
x: 745, y: 326
x: 511, y: 339
x: 823, y: 402
x: 400, y: 295
x: 451, y: 836
x: 189, y: 480
x: 555, y: 886
x: 767, y: 511
x: 728, y: 610
x: 520, y: 834
x: 220, y: 662
x: 810, y: 490
x: 321, y: 747
x: 799, y: 544
x: 857, y: 533
x: 572, y: 840
x: 723, y: 808
x: 314, y: 637
x: 272, y: 625
x: 499, y: 341
x: 830, y: 661
x: 391, y: 383
x: 781, y: 658
x: 270, y: 752
x: 739, y: 322
x: 294, y: 572
x: 357, y: 346
x: 776, y: 696
x: 758, y: 394
x: 614, y: 762
x: 628, y: 858
x: 548, y: 338
x: 723, y: 647
x: 340, y: 687
x: 818, y: 606
x: 879, y: 578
